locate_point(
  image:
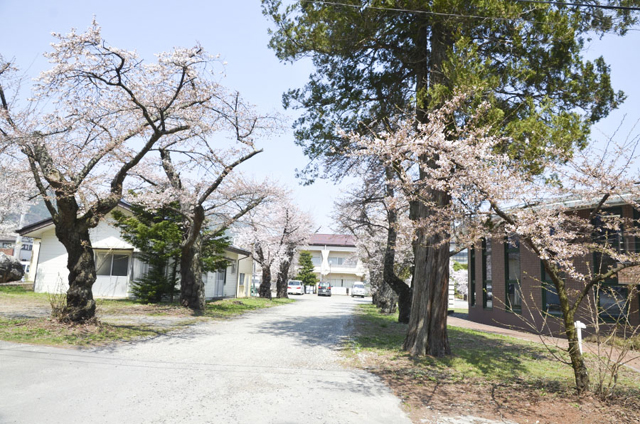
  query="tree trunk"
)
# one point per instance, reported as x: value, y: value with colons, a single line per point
x: 387, y: 299
x: 580, y: 372
x: 282, y: 282
x: 265, y: 286
x: 191, y: 284
x: 281, y: 288
x: 427, y: 332
x: 74, y: 237
x: 402, y: 290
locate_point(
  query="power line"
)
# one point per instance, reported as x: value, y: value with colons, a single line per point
x: 456, y: 15
x: 392, y: 9
x: 594, y: 6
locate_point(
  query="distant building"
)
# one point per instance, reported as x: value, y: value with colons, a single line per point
x: 6, y: 244
x: 461, y: 257
x: 8, y: 247
x: 335, y: 260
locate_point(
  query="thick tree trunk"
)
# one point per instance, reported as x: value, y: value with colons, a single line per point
x: 282, y: 282
x: 82, y: 271
x: 427, y: 332
x: 387, y: 299
x: 265, y: 286
x: 191, y: 284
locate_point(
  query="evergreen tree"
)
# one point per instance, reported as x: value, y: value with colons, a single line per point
x: 158, y: 234
x: 377, y: 61
x: 305, y: 273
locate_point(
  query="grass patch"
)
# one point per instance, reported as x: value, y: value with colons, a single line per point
x: 48, y: 332
x: 488, y: 375
x: 631, y: 343
x: 121, y: 319
x: 476, y: 355
x: 19, y: 291
x: 227, y: 308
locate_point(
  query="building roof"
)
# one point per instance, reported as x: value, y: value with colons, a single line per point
x: 32, y: 229
x: 238, y: 250
x: 332, y: 240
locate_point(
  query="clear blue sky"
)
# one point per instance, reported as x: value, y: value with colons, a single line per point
x: 238, y: 32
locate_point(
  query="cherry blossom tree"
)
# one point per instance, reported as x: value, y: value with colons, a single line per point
x: 492, y: 195
x: 197, y: 174
x: 93, y: 117
x: 273, y: 232
x: 378, y: 216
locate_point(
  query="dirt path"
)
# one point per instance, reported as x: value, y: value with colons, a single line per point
x: 279, y: 365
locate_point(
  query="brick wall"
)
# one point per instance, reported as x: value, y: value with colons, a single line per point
x: 532, y: 293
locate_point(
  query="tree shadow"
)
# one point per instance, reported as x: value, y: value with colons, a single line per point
x: 330, y: 331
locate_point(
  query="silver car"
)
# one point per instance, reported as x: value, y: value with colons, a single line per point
x: 295, y: 287
x: 358, y: 290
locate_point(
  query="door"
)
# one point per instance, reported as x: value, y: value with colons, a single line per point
x: 214, y: 284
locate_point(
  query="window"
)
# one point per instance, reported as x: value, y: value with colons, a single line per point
x: 512, y: 274
x: 242, y: 279
x: 112, y: 264
x: 614, y: 239
x: 487, y: 285
x: 316, y: 260
x: 341, y: 261
x: 612, y: 297
x: 472, y: 278
x: 550, y: 299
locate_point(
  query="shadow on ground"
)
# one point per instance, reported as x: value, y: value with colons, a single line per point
x: 327, y: 331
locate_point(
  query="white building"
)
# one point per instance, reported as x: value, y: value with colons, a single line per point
x: 118, y: 263
x: 336, y: 261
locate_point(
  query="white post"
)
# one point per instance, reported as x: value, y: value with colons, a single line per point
x: 579, y: 326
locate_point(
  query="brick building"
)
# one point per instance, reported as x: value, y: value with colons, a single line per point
x: 507, y: 283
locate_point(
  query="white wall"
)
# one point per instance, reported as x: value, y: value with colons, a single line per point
x: 52, y: 275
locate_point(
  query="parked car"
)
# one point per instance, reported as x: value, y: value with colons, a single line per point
x: 295, y: 287
x: 324, y: 289
x: 358, y: 290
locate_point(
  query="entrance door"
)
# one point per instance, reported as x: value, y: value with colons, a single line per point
x: 214, y: 283
x: 112, y: 270
x: 221, y: 275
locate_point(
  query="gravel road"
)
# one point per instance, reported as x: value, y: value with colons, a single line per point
x: 278, y: 365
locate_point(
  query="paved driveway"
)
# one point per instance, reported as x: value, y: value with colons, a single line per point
x: 278, y: 365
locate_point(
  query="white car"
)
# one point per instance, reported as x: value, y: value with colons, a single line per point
x: 295, y: 287
x: 358, y: 290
